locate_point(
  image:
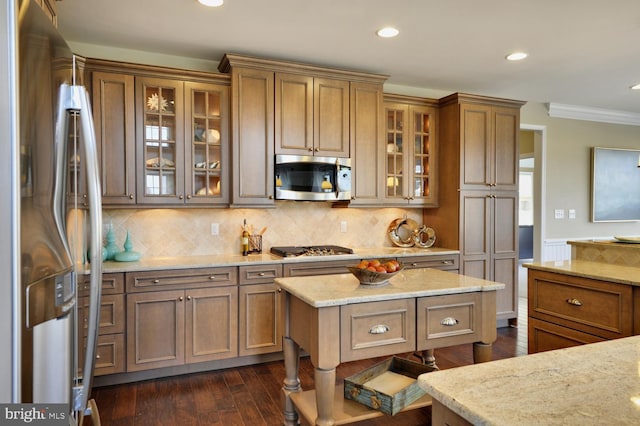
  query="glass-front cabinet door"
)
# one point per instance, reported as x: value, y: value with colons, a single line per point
x: 206, y: 153
x: 410, y: 154
x: 160, y: 141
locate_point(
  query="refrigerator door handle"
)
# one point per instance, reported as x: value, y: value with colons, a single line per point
x: 78, y: 100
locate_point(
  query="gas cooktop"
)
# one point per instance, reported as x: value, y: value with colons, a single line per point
x: 292, y: 251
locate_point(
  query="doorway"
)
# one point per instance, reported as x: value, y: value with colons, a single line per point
x: 531, y: 196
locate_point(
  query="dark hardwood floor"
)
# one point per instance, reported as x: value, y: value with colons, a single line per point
x: 251, y: 395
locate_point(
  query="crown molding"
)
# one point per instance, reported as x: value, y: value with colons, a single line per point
x: 593, y: 114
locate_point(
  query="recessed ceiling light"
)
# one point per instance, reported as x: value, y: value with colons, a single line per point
x: 516, y: 56
x: 211, y: 3
x: 636, y: 87
x: 388, y: 32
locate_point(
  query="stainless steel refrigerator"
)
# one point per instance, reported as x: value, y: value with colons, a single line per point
x: 60, y: 236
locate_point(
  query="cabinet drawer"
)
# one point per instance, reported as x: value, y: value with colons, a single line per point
x: 112, y: 283
x: 545, y: 336
x: 377, y: 329
x: 181, y: 279
x: 445, y: 262
x: 592, y: 306
x: 259, y: 274
x: 328, y: 267
x: 449, y: 320
x: 112, y: 318
x: 109, y: 355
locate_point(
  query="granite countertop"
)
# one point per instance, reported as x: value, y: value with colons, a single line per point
x: 594, y: 384
x: 208, y: 261
x: 344, y: 289
x: 588, y: 269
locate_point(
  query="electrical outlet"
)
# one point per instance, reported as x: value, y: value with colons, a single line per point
x: 559, y: 213
x: 215, y: 229
x: 572, y: 213
x: 343, y: 226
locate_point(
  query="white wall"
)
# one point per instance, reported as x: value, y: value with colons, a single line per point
x: 568, y: 172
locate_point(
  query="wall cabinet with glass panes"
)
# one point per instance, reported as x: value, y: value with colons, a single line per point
x: 411, y: 144
x: 182, y: 142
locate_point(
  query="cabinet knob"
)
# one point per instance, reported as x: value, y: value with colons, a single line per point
x: 181, y: 197
x: 181, y: 298
x: 270, y: 197
x: 310, y: 149
x: 574, y: 302
x: 131, y: 196
x: 189, y: 197
x: 449, y: 321
x: 97, y: 356
x: 379, y: 329
x: 279, y: 290
x: 317, y: 149
x: 188, y: 297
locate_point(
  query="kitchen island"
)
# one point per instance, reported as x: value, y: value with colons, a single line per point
x: 335, y: 319
x: 595, y: 384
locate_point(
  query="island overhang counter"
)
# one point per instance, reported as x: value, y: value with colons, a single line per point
x: 336, y: 319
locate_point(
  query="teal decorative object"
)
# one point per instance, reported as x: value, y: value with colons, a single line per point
x: 127, y: 255
x: 111, y: 248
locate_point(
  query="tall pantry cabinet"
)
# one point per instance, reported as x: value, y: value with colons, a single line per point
x: 478, y: 190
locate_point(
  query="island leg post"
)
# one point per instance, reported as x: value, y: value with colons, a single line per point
x: 291, y: 381
x: 325, y: 382
x: 482, y: 352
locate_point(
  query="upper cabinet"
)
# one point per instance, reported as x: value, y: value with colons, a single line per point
x: 163, y: 136
x: 410, y: 152
x: 311, y: 116
x: 290, y: 108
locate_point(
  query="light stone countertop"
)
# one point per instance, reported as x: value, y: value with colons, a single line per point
x: 595, y: 270
x: 594, y: 384
x: 344, y: 289
x: 209, y: 261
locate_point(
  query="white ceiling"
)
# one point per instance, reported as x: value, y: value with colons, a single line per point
x: 582, y: 52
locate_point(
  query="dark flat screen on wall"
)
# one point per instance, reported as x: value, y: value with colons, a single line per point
x: 615, y: 185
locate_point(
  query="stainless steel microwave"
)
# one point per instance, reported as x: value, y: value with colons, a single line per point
x: 311, y: 178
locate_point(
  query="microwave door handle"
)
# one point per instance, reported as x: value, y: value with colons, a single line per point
x: 336, y: 178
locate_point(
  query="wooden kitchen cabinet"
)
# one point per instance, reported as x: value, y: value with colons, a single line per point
x: 252, y: 112
x: 367, y: 147
x: 114, y: 120
x: 477, y: 209
x: 110, y: 350
x: 311, y: 115
x: 411, y: 152
x: 305, y: 269
x: 192, y: 318
x: 261, y: 314
x: 566, y: 311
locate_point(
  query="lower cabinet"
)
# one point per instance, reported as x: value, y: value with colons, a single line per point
x: 172, y: 327
x: 110, y: 349
x: 566, y: 311
x: 261, y: 313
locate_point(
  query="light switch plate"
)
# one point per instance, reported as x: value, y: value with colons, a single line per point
x: 559, y: 213
x: 572, y: 213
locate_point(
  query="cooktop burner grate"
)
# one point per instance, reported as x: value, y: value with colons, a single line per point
x: 292, y: 251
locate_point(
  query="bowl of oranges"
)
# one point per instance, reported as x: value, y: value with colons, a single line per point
x: 375, y: 271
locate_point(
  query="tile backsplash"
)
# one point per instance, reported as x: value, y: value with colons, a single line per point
x: 184, y: 232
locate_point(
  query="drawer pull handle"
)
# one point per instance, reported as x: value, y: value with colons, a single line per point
x: 447, y: 262
x: 156, y: 281
x: 379, y: 329
x: 449, y: 321
x: 212, y: 277
x: 261, y: 274
x: 574, y: 302
x: 376, y: 402
x: 414, y: 264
